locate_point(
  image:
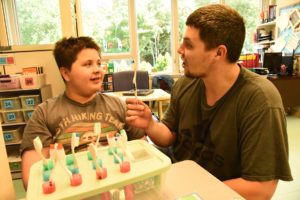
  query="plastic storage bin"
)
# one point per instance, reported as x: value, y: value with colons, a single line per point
x: 30, y: 101
x: 14, y: 163
x: 11, y: 103
x: 12, y: 116
x: 32, y: 81
x: 147, y: 173
x: 27, y: 113
x: 12, y: 135
x: 12, y: 82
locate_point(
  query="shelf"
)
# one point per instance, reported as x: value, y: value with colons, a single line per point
x: 14, y: 124
x: 20, y: 89
x: 266, y: 42
x: 13, y: 143
x: 272, y: 23
x: 16, y: 175
x: 13, y: 147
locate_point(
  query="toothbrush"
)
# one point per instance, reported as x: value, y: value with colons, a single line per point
x: 74, y: 143
x: 123, y: 143
x: 60, y: 155
x: 124, y: 165
x: 101, y: 172
x: 38, y: 146
x: 134, y: 79
x: 97, y: 130
x: 112, y: 144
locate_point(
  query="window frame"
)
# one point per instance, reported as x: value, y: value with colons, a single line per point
x: 75, y: 29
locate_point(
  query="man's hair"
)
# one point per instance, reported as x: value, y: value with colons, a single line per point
x: 67, y: 49
x: 219, y: 25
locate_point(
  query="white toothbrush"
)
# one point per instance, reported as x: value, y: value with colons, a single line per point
x: 38, y: 146
x: 92, y: 149
x: 74, y: 143
x: 97, y: 130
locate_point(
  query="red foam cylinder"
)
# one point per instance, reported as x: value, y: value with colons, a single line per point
x: 105, y: 196
x: 76, y: 179
x: 102, y: 174
x: 129, y: 192
x: 125, y: 167
x: 49, y: 187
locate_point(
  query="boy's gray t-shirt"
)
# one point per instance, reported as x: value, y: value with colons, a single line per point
x: 242, y: 135
x: 57, y: 118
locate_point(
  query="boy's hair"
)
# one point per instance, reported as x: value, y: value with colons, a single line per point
x: 67, y: 49
x: 219, y: 25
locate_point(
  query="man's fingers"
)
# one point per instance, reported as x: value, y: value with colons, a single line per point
x: 131, y: 118
x: 135, y: 107
x: 135, y: 112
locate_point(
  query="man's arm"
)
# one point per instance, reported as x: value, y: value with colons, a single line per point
x: 29, y: 158
x: 253, y: 190
x: 160, y: 134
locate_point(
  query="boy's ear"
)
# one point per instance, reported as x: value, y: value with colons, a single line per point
x: 64, y: 73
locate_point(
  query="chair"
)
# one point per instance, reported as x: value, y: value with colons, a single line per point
x: 164, y: 82
x: 123, y: 81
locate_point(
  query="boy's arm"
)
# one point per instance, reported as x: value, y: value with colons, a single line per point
x: 28, y: 158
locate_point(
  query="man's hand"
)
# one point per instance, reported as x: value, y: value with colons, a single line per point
x: 138, y: 114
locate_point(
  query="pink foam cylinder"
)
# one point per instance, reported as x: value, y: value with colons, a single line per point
x: 48, y: 187
x: 105, y: 196
x: 125, y: 167
x: 102, y: 174
x: 129, y: 192
x: 76, y: 179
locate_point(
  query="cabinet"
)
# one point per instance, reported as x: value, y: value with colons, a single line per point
x: 289, y: 90
x: 17, y: 106
x: 265, y: 35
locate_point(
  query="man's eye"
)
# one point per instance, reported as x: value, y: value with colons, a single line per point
x: 188, y: 45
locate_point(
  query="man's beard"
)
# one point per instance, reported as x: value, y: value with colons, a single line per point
x: 189, y: 74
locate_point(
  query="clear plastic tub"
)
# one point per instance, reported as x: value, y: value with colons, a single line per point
x: 11, y: 103
x: 13, y: 116
x: 147, y: 173
x: 12, y: 82
x: 32, y: 81
x: 12, y: 135
x: 27, y: 113
x: 30, y: 101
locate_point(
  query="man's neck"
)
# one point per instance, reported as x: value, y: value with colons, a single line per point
x: 218, y: 83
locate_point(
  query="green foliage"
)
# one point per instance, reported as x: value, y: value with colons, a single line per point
x: 39, y: 22
x: 162, y: 63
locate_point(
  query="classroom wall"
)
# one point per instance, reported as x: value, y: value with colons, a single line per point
x: 34, y: 59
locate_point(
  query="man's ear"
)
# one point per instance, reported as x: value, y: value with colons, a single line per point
x: 65, y: 73
x: 221, y: 50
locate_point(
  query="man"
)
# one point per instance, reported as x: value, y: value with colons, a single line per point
x: 81, y: 105
x: 229, y: 120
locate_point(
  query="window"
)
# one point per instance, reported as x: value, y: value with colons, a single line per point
x: 146, y: 31
x: 32, y: 22
x: 250, y: 11
x: 154, y: 34
x: 186, y: 7
x: 108, y: 23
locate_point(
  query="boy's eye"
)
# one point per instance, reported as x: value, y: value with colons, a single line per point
x: 87, y: 64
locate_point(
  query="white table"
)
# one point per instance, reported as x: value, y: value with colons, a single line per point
x: 158, y: 95
x: 186, y: 177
